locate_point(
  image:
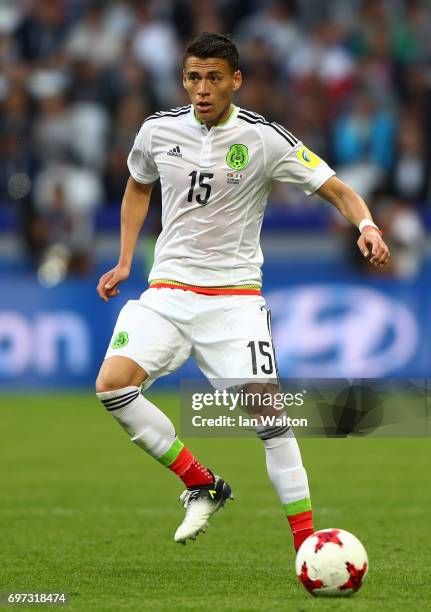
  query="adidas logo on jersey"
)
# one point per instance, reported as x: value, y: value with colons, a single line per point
x: 175, y: 151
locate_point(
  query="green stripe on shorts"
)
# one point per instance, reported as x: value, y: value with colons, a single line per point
x: 171, y: 454
x: 302, y: 505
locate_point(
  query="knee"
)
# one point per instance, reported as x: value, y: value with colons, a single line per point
x: 260, y: 399
x: 118, y: 373
x: 105, y: 383
x: 114, y: 380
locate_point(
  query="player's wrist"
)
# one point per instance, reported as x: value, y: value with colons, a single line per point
x: 367, y: 225
x: 124, y: 266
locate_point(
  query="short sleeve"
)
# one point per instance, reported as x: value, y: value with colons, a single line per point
x: 289, y: 161
x: 141, y: 163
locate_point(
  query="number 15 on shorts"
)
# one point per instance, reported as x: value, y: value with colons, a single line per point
x: 261, y: 357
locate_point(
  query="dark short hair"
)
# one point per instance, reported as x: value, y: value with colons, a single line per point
x: 210, y: 44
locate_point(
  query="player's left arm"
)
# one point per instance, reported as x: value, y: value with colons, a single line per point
x: 354, y: 209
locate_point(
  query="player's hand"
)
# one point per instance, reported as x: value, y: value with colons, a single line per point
x: 372, y: 247
x: 108, y: 283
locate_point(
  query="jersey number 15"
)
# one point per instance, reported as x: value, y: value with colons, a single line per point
x: 202, y: 197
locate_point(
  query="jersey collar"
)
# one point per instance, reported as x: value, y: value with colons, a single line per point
x: 220, y: 126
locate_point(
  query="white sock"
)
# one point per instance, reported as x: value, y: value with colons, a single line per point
x: 148, y: 426
x: 285, y: 469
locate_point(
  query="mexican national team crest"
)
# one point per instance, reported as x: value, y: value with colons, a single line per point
x: 120, y: 340
x: 237, y: 158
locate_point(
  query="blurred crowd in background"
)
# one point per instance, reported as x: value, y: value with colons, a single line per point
x: 350, y: 78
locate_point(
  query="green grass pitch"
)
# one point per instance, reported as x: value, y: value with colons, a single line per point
x: 85, y: 511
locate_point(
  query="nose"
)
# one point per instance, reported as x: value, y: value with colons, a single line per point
x: 203, y: 88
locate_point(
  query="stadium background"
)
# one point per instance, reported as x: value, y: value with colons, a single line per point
x: 81, y: 510
x: 350, y: 78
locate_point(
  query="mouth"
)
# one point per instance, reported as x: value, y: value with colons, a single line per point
x: 203, y: 107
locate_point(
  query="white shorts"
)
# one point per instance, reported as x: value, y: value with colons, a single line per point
x: 228, y: 336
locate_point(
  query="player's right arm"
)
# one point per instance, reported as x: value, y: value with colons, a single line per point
x: 134, y: 209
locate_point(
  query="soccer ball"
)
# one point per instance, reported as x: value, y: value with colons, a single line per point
x: 331, y: 563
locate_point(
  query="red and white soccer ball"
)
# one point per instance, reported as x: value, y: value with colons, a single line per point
x: 331, y: 563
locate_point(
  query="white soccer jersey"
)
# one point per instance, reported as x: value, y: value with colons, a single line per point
x: 215, y: 184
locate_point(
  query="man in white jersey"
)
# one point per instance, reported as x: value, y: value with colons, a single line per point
x: 216, y: 163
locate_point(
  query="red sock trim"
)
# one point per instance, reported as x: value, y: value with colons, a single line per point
x: 190, y: 470
x: 303, y: 520
x: 300, y: 536
x: 197, y: 475
x: 302, y: 527
x: 182, y: 462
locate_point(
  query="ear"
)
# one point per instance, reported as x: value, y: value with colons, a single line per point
x: 184, y: 79
x: 237, y: 80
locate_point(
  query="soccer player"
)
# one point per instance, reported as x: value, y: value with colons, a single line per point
x: 216, y: 163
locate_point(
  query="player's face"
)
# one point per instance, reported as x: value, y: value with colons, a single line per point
x: 210, y: 84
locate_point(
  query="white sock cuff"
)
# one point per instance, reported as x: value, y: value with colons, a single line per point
x: 118, y: 398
